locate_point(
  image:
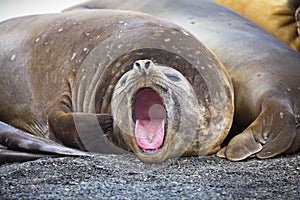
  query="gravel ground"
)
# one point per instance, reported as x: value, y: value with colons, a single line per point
x: 125, y: 177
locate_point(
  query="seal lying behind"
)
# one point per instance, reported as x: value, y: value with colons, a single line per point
x: 109, y: 82
x: 281, y: 18
x: 265, y: 72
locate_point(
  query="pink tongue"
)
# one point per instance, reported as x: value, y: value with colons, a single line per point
x: 150, y: 120
x: 149, y: 133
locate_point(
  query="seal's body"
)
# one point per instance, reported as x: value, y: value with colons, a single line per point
x: 281, y: 18
x: 264, y: 71
x: 73, y: 78
x: 147, y: 85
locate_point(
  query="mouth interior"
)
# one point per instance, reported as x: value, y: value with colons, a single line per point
x: 150, y: 115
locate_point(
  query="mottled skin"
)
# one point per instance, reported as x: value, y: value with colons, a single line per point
x: 59, y: 72
x: 265, y: 73
x: 278, y: 17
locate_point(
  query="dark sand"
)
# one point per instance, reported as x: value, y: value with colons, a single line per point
x: 125, y: 177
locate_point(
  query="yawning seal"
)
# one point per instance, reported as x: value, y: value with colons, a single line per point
x: 265, y: 72
x: 109, y: 82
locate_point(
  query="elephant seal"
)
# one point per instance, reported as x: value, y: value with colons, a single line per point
x: 280, y: 18
x: 264, y: 71
x: 108, y: 81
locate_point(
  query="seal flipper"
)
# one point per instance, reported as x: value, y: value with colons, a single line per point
x: 9, y: 156
x: 296, y: 145
x: 272, y: 133
x: 18, y: 146
x: 86, y: 131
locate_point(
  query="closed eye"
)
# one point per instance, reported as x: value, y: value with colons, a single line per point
x: 124, y: 80
x: 173, y: 77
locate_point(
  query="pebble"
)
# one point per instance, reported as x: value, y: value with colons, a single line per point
x: 125, y: 177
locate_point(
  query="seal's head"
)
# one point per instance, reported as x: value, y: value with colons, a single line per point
x: 156, y: 110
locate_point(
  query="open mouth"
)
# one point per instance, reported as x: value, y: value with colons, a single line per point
x: 150, y: 118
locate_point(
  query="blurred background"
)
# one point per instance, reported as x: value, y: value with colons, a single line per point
x: 14, y: 8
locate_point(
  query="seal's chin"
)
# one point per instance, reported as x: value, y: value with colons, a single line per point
x: 149, y: 116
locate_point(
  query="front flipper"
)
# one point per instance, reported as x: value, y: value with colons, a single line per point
x: 272, y: 133
x: 18, y: 146
x: 86, y: 131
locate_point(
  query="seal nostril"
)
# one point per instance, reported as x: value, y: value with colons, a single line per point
x: 142, y: 66
x: 138, y: 65
x: 147, y: 64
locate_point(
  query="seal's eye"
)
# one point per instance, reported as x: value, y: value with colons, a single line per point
x: 173, y: 77
x: 124, y: 80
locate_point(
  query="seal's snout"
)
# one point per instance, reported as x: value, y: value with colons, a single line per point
x: 143, y: 67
